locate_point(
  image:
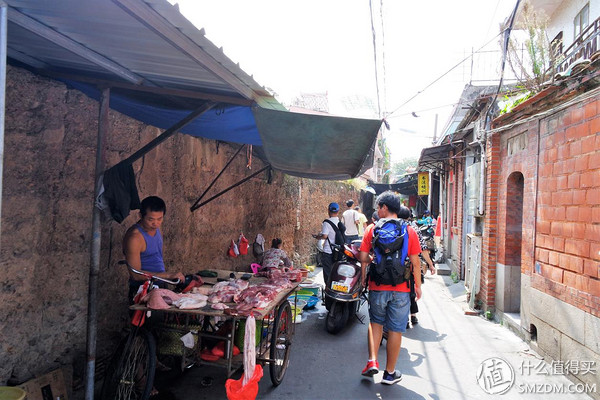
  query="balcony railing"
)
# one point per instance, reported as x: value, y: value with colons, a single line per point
x: 584, y: 46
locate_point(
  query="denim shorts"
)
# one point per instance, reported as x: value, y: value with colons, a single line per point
x: 389, y: 309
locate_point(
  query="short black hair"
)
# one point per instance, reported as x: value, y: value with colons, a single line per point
x: 275, y: 243
x: 350, y: 203
x: 404, y: 212
x: 391, y: 200
x: 152, y: 203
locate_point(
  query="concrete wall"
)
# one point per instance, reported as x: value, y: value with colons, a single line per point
x: 49, y: 162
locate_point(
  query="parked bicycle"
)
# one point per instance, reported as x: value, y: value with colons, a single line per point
x: 130, y: 374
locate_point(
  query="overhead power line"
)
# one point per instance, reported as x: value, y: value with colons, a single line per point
x: 444, y: 74
x: 383, y: 57
x: 375, y: 58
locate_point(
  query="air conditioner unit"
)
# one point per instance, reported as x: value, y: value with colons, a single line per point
x: 473, y: 262
x: 472, y: 183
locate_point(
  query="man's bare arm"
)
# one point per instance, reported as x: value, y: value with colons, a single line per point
x: 133, y: 246
x: 416, y: 268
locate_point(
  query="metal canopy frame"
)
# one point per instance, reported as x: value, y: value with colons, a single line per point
x: 432, y: 157
x: 197, y: 203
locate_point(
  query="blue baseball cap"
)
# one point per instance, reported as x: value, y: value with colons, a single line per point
x: 334, y: 207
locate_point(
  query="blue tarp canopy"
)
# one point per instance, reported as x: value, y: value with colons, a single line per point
x: 305, y: 145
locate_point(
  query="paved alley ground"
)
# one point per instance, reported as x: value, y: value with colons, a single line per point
x: 440, y: 360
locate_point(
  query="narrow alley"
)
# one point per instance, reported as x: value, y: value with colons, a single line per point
x: 441, y: 358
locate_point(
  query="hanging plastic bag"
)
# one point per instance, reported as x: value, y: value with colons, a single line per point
x: 233, y: 249
x: 258, y: 247
x: 243, y: 244
x: 246, y: 388
x: 236, y: 390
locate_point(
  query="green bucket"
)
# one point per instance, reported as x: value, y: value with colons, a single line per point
x: 240, y: 331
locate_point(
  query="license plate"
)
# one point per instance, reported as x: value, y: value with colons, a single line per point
x: 340, y: 287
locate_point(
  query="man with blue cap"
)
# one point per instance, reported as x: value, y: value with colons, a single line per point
x: 328, y: 232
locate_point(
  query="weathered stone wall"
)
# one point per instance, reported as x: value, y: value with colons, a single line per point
x: 50, y: 143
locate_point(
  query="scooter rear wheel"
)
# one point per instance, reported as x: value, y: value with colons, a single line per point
x: 336, y: 317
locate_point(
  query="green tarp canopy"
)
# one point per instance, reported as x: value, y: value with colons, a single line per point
x: 317, y: 146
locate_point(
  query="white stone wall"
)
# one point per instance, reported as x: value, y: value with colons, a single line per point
x: 562, y: 18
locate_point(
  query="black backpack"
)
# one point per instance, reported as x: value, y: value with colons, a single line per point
x: 337, y: 248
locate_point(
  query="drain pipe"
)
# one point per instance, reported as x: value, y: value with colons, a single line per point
x: 482, y: 167
x: 3, y: 40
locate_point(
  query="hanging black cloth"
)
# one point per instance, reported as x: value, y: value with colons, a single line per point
x: 120, y: 191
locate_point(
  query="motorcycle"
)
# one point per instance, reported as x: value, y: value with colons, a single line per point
x: 344, y: 292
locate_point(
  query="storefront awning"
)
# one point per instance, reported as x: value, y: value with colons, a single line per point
x: 407, y: 187
x: 432, y: 157
x: 317, y: 146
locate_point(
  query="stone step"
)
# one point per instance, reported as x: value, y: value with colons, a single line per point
x: 442, y: 269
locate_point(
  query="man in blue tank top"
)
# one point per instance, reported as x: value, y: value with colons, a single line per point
x: 143, y: 243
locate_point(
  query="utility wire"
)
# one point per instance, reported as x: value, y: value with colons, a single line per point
x: 383, y: 57
x: 424, y: 110
x: 506, y: 41
x: 444, y: 74
x: 375, y: 58
x: 493, y: 17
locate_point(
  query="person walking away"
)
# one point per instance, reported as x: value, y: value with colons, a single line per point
x: 143, y: 244
x: 332, y: 231
x: 275, y: 256
x: 350, y: 220
x: 362, y: 223
x: 406, y: 214
x: 389, y: 300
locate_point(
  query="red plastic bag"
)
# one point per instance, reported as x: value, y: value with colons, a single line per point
x: 233, y: 249
x: 219, y: 349
x: 243, y: 244
x: 235, y: 390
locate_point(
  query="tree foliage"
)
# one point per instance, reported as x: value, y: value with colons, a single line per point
x: 530, y: 59
x: 405, y: 165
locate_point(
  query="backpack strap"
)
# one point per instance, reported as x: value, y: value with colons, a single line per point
x: 335, y: 229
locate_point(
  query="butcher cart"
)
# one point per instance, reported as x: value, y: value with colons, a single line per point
x: 182, y: 338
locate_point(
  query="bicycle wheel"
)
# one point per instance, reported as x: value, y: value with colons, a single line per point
x: 281, y: 340
x: 130, y: 374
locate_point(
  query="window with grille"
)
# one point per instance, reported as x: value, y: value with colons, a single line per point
x: 581, y: 21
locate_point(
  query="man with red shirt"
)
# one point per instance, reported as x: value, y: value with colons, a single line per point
x: 389, y: 305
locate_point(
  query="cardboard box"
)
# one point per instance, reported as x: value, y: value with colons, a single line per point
x: 47, y: 387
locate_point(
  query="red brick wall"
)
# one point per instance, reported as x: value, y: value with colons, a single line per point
x: 519, y: 160
x: 487, y: 293
x: 568, y: 228
x: 563, y: 253
x: 514, y: 219
x: 456, y: 223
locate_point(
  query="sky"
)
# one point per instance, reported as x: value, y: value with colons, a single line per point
x: 327, y: 46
